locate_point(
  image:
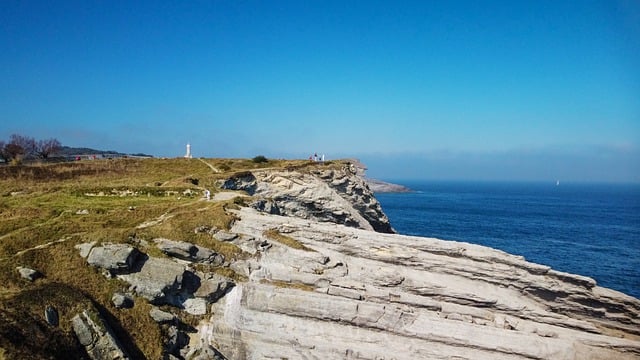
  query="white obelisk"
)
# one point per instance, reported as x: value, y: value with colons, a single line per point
x: 188, y: 155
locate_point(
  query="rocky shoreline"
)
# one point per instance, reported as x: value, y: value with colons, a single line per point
x: 379, y: 186
x: 326, y: 277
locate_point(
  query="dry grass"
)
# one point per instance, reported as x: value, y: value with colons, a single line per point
x: 274, y: 234
x: 288, y: 285
x: 39, y: 205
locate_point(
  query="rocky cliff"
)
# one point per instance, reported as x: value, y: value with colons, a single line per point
x: 355, y: 293
x: 364, y: 295
x: 338, y: 196
x: 323, y: 276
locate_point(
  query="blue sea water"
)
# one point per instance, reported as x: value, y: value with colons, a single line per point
x: 586, y: 229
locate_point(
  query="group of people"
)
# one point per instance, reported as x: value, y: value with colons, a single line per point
x: 315, y: 157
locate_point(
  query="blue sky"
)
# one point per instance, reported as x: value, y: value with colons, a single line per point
x: 489, y: 90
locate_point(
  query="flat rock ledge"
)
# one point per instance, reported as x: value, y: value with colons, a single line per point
x: 379, y: 186
x: 366, y: 295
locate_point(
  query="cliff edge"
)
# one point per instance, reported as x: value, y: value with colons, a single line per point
x: 335, y: 195
x: 349, y: 292
x: 233, y: 259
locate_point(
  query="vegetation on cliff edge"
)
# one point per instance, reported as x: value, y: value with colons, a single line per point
x: 48, y: 209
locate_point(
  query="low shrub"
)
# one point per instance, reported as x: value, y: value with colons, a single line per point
x: 260, y: 159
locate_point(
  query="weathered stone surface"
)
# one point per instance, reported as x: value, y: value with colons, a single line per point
x: 97, y: 338
x: 195, y: 306
x: 161, y: 281
x: 208, y: 352
x: 267, y: 206
x: 205, y: 229
x: 160, y: 316
x: 28, y: 274
x: 213, y: 287
x: 85, y: 248
x: 225, y: 236
x: 122, y: 300
x: 379, y: 186
x: 116, y: 258
x: 337, y: 196
x: 243, y: 181
x: 51, y: 315
x: 368, y: 295
x: 187, y: 251
x: 175, y: 340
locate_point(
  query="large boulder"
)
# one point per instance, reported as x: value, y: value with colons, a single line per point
x: 188, y: 251
x: 116, y: 258
x: 97, y: 337
x: 161, y: 317
x: 161, y: 281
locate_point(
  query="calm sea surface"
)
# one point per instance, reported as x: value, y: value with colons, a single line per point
x: 591, y: 230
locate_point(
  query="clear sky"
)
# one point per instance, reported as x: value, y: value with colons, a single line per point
x: 503, y: 90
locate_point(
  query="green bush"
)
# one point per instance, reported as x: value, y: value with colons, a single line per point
x: 260, y: 159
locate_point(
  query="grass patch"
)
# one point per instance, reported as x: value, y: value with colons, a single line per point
x: 183, y: 221
x: 288, y: 285
x: 274, y: 234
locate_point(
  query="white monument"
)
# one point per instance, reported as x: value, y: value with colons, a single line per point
x: 188, y: 155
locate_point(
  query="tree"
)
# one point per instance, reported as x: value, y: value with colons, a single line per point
x: 13, y: 152
x: 22, y: 146
x: 44, y: 148
x: 3, y: 156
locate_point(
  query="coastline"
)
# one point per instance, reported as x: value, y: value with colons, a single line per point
x: 379, y: 186
x: 284, y: 260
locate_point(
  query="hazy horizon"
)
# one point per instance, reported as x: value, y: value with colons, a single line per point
x: 497, y: 90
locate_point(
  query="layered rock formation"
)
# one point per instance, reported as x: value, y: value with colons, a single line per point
x: 366, y: 295
x: 325, y: 195
x: 379, y: 186
x: 323, y: 276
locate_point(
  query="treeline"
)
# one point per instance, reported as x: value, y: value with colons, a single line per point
x: 20, y: 147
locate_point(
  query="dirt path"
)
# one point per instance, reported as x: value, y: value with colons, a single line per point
x: 42, y: 246
x: 213, y: 168
x: 46, y: 245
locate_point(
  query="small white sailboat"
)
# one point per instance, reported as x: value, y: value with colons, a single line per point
x: 557, y: 182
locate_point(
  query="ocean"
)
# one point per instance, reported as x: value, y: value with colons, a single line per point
x: 586, y: 229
